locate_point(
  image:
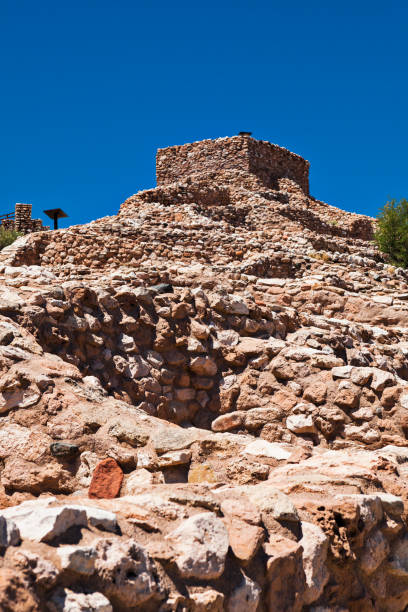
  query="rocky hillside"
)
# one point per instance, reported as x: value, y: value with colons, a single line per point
x: 204, y: 401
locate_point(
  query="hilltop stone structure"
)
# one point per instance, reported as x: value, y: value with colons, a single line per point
x: 204, y: 400
x: 253, y: 184
x: 263, y: 160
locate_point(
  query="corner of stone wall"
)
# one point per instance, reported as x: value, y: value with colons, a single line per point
x: 26, y: 250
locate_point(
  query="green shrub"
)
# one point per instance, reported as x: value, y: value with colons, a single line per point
x: 7, y: 236
x: 392, y: 232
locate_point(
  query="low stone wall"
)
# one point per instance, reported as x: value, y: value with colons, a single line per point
x: 350, y: 226
x: 179, y: 193
x: 181, y: 232
x: 205, y: 216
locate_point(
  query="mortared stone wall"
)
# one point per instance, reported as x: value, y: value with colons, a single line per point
x: 265, y: 160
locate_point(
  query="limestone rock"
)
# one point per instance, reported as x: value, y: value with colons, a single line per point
x: 42, y: 524
x: 300, y: 423
x: 126, y: 573
x: 15, y: 592
x: 102, y: 519
x: 263, y: 448
x: 375, y: 551
x: 140, y: 477
x: 66, y: 600
x: 203, y: 366
x: 272, y: 503
x: 200, y: 544
x: 227, y: 422
x: 78, y: 559
x: 208, y: 601
x: 315, y: 545
x: 399, y: 559
x: 381, y: 379
x: 245, y: 597
x: 244, y: 534
x: 9, y: 533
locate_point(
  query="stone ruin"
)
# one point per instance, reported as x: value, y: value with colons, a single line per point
x: 204, y: 401
x: 265, y: 161
x: 22, y: 221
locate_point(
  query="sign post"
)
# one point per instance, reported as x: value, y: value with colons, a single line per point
x: 55, y: 213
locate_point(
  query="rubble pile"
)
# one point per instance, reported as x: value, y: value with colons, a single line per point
x: 204, y: 400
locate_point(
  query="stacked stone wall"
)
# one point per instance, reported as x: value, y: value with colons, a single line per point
x: 351, y: 226
x: 22, y: 218
x: 176, y: 163
x: 212, y: 385
x: 182, y: 232
x: 266, y: 161
x: 180, y: 193
x: 205, y: 215
x: 22, y: 222
x: 270, y: 162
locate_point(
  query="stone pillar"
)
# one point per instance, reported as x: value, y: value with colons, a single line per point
x: 22, y: 220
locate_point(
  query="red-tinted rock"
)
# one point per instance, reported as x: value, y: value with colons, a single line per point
x: 106, y: 480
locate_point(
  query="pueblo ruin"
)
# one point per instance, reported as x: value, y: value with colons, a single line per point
x: 204, y: 400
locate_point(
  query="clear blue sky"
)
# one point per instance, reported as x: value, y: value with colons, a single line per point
x: 90, y: 89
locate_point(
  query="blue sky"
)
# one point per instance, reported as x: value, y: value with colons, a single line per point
x: 90, y: 89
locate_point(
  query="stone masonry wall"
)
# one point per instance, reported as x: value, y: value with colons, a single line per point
x: 204, y: 215
x: 270, y: 162
x: 23, y: 222
x: 266, y: 161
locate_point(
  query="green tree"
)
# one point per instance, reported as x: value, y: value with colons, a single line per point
x: 392, y: 232
x: 7, y: 236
